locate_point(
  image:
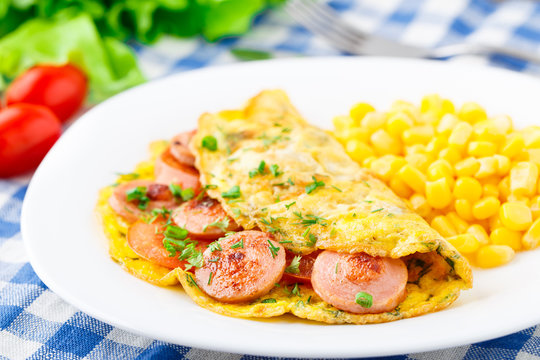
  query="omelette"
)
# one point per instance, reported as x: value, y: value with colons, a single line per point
x: 274, y: 173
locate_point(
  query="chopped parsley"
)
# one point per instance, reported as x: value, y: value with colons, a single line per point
x: 290, y: 182
x: 366, y: 183
x: 294, y: 267
x: 209, y: 142
x: 335, y: 270
x: 238, y: 245
x: 377, y: 210
x: 290, y: 204
x: 221, y: 224
x: 309, y: 219
x: 285, y: 242
x: 311, y: 187
x: 210, y: 277
x: 259, y: 170
x: 295, y: 290
x: 269, y: 301
x: 338, y: 189
x: 312, y: 240
x: 175, y: 232
x: 215, y: 246
x: 233, y: 193
x: 364, y: 299
x: 191, y: 281
x: 214, y: 260
x: 184, y: 194
x: 138, y: 194
x: 193, y: 256
x: 274, y: 169
x: 159, y: 212
x: 273, y: 249
x: 237, y: 212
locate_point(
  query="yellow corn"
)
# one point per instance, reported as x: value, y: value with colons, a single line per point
x: 436, y: 145
x: 447, y: 124
x: 487, y: 131
x: 459, y: 224
x: 438, y: 193
x: 418, y: 160
x: 359, y: 111
x: 440, y: 169
x: 535, y: 207
x: 504, y: 236
x: 413, y: 177
x: 416, y: 149
x: 464, y: 209
x: 481, y: 148
x: 451, y: 154
x: 464, y: 243
x: 400, y: 188
x: 479, y: 233
x: 358, y: 150
x: 468, y: 188
x: 472, y: 112
x: 484, y: 208
x: 436, y: 105
x: 534, y: 156
x: 488, y: 167
x: 383, y: 143
x: 373, y: 121
x: 515, y: 216
x: 467, y: 167
x: 518, y: 199
x: 503, y: 123
x: 418, y: 134
x: 387, y: 166
x: 343, y: 122
x: 398, y: 123
x: 495, y: 222
x: 513, y: 146
x: 443, y: 226
x: 523, y: 178
x: 532, y: 139
x: 490, y: 190
x: 504, y: 188
x: 531, y: 239
x: 368, y: 160
x: 460, y: 134
x: 503, y: 164
x: 420, y: 205
x: 353, y: 133
x: 494, y: 255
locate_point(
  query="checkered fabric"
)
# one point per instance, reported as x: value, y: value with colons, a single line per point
x: 35, y: 323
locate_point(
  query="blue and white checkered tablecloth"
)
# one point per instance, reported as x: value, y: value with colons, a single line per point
x: 35, y: 323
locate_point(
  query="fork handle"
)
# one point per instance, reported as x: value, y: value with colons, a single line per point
x: 483, y: 49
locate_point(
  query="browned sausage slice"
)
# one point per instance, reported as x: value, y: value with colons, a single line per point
x: 158, y: 196
x: 247, y: 267
x: 146, y: 239
x: 169, y: 170
x: 337, y: 278
x: 180, y: 148
x: 204, y: 218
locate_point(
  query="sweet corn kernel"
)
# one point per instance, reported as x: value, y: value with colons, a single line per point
x: 531, y: 239
x: 413, y: 177
x: 431, y: 102
x: 495, y: 222
x: 468, y: 188
x: 504, y: 188
x: 515, y: 216
x: 384, y: 143
x: 518, y: 199
x: 467, y: 167
x: 373, y: 121
x: 532, y: 139
x: 504, y: 236
x: 420, y: 205
x: 479, y: 233
x: 358, y: 150
x: 513, y: 146
x: 503, y: 164
x: 494, y: 255
x: 398, y: 123
x: 353, y: 133
x: 418, y: 134
x: 464, y: 243
x: 438, y: 193
x: 464, y: 209
x: 387, y: 166
x: 436, y: 145
x: 487, y: 131
x: 523, y: 178
x: 460, y: 224
x: 343, y: 122
x: 481, y: 148
x: 460, y: 134
x: 488, y: 167
x: 440, y: 169
x: 443, y: 226
x: 400, y: 188
x: 486, y: 207
x: 367, y: 161
x: 450, y: 154
x: 418, y: 160
x: 447, y: 124
x: 359, y: 111
x: 503, y: 123
x: 534, y: 156
x: 490, y: 190
x: 472, y: 113
x: 535, y: 207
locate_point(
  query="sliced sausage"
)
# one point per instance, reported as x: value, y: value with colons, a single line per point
x: 146, y: 239
x: 305, y: 267
x: 180, y: 148
x: 159, y: 196
x: 169, y: 170
x: 204, y: 218
x: 247, y: 267
x: 337, y: 278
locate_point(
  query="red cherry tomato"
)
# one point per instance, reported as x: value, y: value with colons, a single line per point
x: 60, y: 88
x: 27, y: 132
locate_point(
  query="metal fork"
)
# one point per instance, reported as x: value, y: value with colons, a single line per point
x: 324, y: 21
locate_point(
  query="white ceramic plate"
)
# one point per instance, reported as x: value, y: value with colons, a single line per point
x: 69, y: 251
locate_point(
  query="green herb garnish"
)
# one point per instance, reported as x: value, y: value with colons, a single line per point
x: 138, y: 194
x: 233, y: 193
x: 294, y: 267
x: 364, y: 299
x: 377, y: 210
x: 269, y: 301
x: 273, y: 249
x: 209, y: 142
x: 215, y: 246
x: 274, y: 170
x: 221, y: 224
x: 311, y: 187
x: 238, y: 245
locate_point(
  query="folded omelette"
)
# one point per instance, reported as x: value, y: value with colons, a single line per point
x: 318, y: 199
